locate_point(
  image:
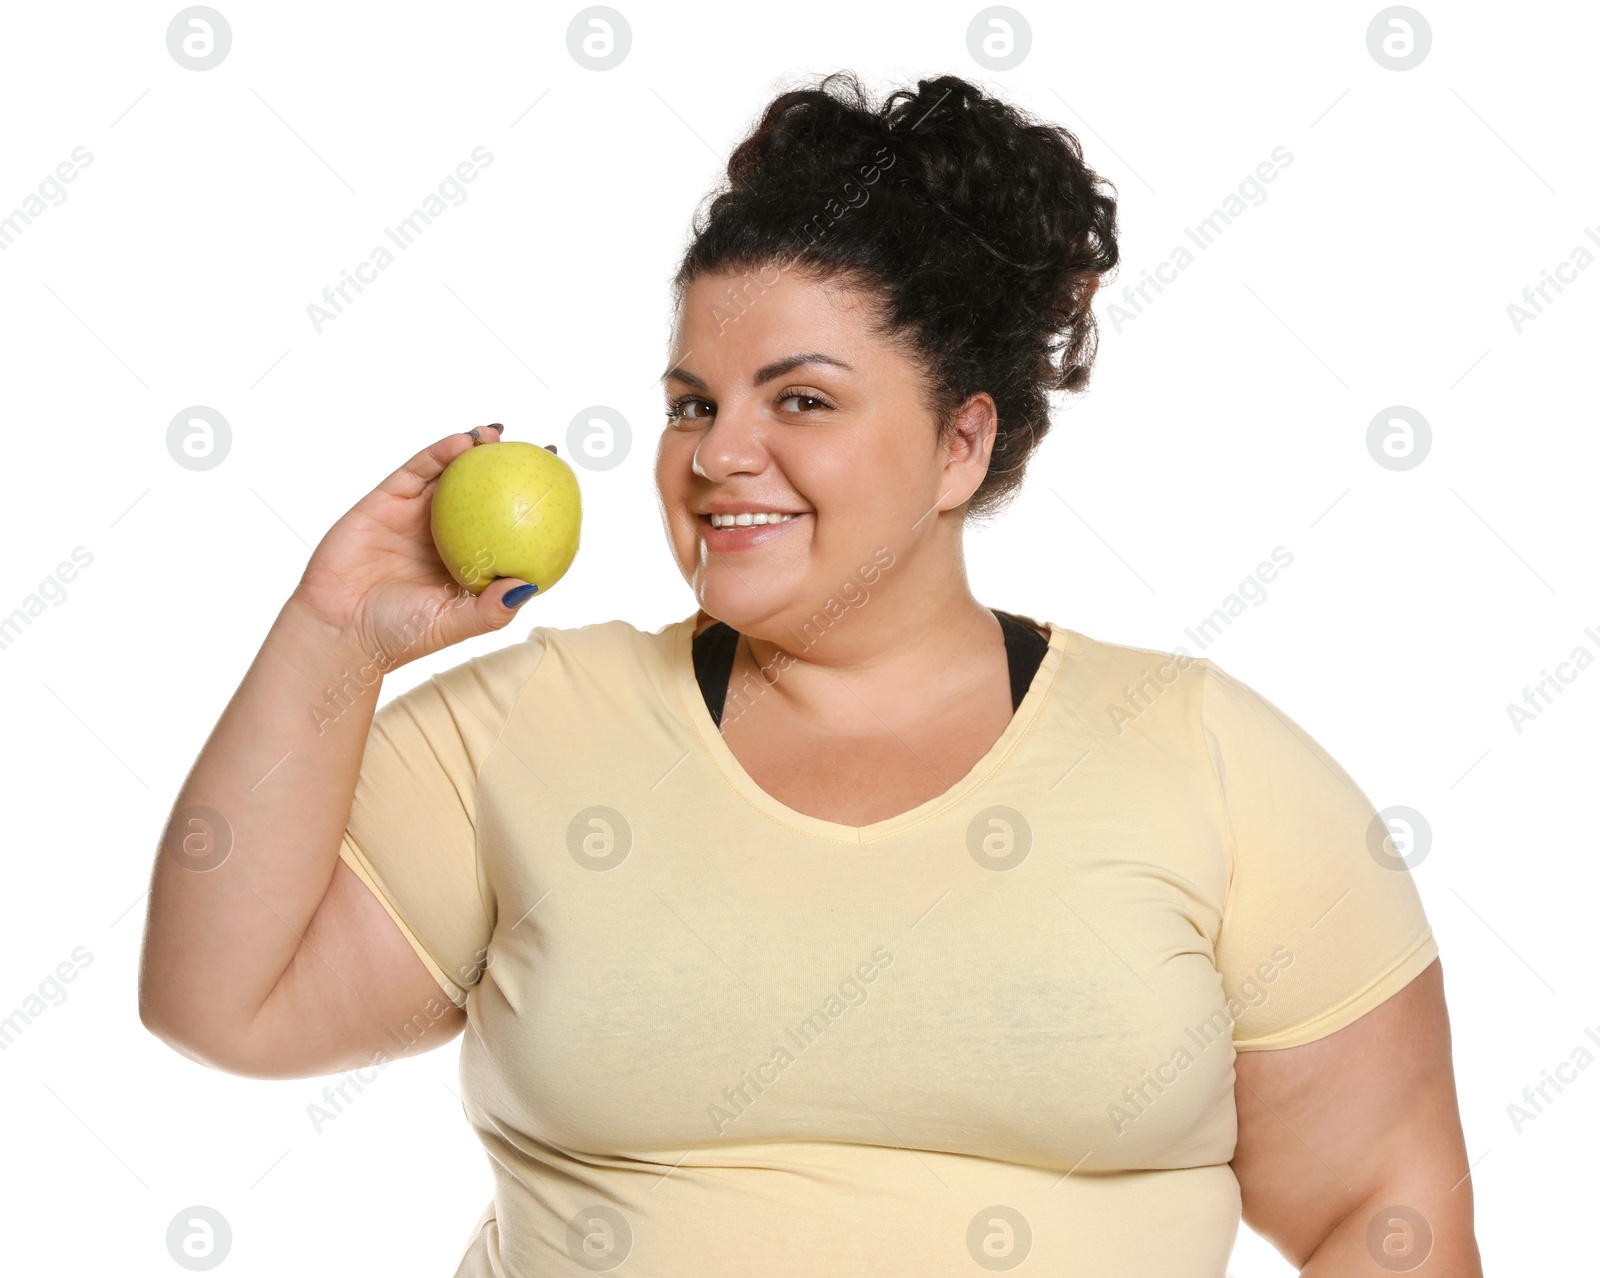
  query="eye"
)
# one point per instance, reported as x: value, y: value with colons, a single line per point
x: 676, y: 408
x: 816, y: 400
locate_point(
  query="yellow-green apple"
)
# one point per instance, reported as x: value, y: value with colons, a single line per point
x: 506, y: 509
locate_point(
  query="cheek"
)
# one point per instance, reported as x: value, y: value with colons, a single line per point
x: 859, y: 506
x: 674, y: 456
x: 835, y: 472
x: 672, y: 489
x: 867, y: 478
x: 665, y: 444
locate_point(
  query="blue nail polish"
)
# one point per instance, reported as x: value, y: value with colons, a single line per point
x: 519, y: 595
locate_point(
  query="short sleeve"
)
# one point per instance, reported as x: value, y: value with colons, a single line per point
x: 1321, y: 922
x: 412, y: 832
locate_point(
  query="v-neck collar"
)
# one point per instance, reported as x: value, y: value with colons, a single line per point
x: 710, y: 736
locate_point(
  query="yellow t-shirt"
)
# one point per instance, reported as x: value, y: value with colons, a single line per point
x: 713, y: 1036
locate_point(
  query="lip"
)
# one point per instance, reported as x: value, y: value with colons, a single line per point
x: 725, y: 539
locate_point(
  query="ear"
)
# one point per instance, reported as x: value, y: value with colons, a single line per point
x: 969, y: 447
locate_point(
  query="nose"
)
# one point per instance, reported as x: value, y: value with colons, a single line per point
x: 731, y: 446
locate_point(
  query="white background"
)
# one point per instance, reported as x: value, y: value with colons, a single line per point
x: 1227, y: 419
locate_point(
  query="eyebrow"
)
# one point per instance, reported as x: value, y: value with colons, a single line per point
x: 766, y: 373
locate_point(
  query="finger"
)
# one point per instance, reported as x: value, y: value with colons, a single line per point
x: 474, y: 615
x: 412, y: 479
x: 491, y: 603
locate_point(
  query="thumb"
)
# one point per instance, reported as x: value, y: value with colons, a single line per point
x: 494, y: 610
x: 477, y: 615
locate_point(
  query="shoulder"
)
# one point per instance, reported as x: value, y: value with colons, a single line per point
x: 1175, y: 701
x: 490, y: 683
x: 606, y: 662
x: 1116, y: 687
x: 1104, y: 656
x: 595, y: 640
x: 616, y: 641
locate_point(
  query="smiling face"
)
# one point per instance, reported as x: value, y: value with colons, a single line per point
x: 842, y: 441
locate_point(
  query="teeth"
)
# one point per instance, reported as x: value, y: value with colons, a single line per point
x: 747, y: 518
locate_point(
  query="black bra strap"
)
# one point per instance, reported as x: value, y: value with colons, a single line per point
x: 1025, y: 649
x: 714, y: 649
x: 713, y: 665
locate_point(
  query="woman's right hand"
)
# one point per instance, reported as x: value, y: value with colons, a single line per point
x: 377, y: 581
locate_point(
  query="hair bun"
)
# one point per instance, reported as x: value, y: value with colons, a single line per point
x: 1019, y: 186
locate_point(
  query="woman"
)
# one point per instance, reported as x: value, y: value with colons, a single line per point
x: 848, y: 925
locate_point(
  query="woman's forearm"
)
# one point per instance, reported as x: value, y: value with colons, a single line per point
x: 251, y: 842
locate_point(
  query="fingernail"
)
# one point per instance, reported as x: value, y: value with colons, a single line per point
x: 552, y: 448
x: 497, y: 426
x: 519, y: 595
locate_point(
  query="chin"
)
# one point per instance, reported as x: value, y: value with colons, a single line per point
x: 728, y: 599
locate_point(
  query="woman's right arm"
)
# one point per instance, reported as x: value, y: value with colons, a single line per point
x: 275, y: 960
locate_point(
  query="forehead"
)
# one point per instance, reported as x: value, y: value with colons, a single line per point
x: 746, y: 312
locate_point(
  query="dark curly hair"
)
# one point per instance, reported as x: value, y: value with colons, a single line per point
x: 978, y: 231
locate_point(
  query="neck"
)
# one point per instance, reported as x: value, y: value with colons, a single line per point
x: 885, y: 653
